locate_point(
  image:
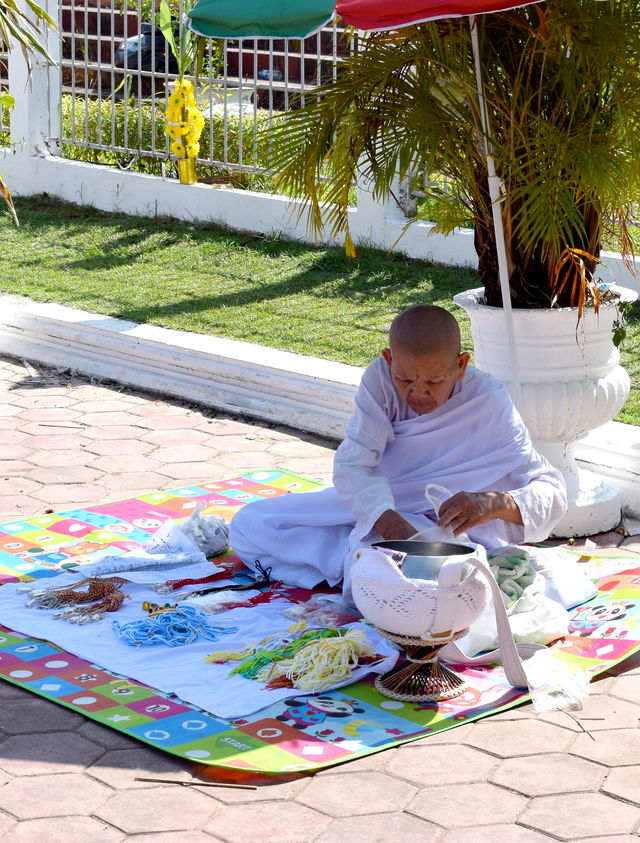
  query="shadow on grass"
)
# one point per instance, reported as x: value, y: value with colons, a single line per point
x: 366, y: 288
x: 324, y: 273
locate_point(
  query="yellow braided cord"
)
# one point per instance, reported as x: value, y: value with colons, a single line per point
x: 321, y: 664
x: 238, y: 655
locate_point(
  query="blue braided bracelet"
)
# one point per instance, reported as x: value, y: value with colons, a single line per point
x: 174, y: 628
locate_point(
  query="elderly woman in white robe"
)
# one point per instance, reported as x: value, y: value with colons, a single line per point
x: 422, y: 415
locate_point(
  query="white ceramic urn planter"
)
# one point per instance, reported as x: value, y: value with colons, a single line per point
x: 571, y: 382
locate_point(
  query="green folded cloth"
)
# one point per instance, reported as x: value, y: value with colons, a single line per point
x: 513, y: 573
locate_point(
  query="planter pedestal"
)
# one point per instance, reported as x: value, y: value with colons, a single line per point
x: 571, y: 382
x: 594, y: 504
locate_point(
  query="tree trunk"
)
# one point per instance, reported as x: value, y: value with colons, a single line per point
x: 538, y: 280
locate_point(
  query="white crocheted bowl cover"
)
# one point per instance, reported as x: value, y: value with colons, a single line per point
x: 408, y: 607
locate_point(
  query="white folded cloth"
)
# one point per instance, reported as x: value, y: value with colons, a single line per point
x: 566, y: 581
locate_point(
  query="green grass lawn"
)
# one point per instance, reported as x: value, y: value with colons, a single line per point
x: 206, y: 279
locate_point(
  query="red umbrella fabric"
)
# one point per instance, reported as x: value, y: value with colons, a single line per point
x: 382, y: 14
x: 299, y: 18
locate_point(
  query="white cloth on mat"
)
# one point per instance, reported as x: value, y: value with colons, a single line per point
x: 177, y: 670
x: 474, y: 442
x: 167, y: 554
x: 566, y: 580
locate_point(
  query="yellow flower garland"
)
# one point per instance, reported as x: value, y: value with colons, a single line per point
x: 184, y: 120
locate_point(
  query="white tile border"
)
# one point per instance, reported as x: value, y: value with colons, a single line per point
x: 306, y: 393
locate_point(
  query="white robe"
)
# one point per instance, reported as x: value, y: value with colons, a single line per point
x: 474, y: 442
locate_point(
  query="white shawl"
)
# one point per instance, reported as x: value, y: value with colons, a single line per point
x: 475, y: 442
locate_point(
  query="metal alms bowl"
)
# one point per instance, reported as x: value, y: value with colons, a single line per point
x: 424, y: 559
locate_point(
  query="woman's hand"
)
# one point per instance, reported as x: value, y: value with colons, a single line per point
x: 470, y: 509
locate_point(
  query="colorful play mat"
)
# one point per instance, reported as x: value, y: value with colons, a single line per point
x: 297, y: 733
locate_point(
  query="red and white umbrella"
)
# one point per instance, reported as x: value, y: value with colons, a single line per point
x: 300, y: 18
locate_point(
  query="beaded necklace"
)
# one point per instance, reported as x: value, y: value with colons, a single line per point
x: 104, y: 594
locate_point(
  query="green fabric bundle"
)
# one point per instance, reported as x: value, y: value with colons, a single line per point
x: 513, y: 572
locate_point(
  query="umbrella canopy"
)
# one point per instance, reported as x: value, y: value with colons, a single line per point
x: 300, y: 18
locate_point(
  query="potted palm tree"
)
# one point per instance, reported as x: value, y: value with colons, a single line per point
x: 561, y: 80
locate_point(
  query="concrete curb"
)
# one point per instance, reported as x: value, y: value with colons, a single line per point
x: 304, y: 392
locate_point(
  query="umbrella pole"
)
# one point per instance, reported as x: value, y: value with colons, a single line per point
x: 495, y: 190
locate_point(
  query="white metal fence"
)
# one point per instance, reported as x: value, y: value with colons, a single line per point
x: 116, y: 68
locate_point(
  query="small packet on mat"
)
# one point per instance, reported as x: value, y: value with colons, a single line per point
x: 322, y: 610
x: 209, y: 532
x: 553, y: 683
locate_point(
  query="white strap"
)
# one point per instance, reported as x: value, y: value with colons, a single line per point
x: 436, y: 502
x: 446, y: 610
x: 452, y: 653
x: 511, y: 661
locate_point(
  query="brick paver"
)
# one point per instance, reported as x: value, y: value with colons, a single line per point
x: 515, y: 777
x: 572, y: 815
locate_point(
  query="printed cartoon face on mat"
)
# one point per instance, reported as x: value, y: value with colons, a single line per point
x: 588, y: 619
x: 147, y: 523
x: 310, y: 711
x: 81, y: 548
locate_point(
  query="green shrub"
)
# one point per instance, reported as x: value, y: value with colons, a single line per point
x: 130, y: 130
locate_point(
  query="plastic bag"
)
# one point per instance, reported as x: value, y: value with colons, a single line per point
x: 515, y: 575
x: 322, y: 610
x: 533, y: 617
x: 168, y: 548
x: 436, y: 495
x: 218, y: 601
x: 566, y: 581
x: 554, y: 683
x: 210, y: 532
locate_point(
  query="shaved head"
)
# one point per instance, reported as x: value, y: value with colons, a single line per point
x: 425, y: 329
x: 424, y: 356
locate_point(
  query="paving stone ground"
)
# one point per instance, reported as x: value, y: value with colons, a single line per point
x: 516, y: 777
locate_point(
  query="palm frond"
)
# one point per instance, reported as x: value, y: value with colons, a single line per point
x: 24, y: 30
x: 561, y: 81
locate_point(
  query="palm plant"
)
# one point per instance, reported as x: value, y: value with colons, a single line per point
x: 25, y: 30
x: 561, y: 81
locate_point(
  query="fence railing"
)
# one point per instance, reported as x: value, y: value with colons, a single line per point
x: 116, y: 68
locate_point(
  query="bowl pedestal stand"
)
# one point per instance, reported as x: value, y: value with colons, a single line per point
x: 420, y: 677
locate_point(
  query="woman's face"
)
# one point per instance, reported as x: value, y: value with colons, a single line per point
x: 425, y: 382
